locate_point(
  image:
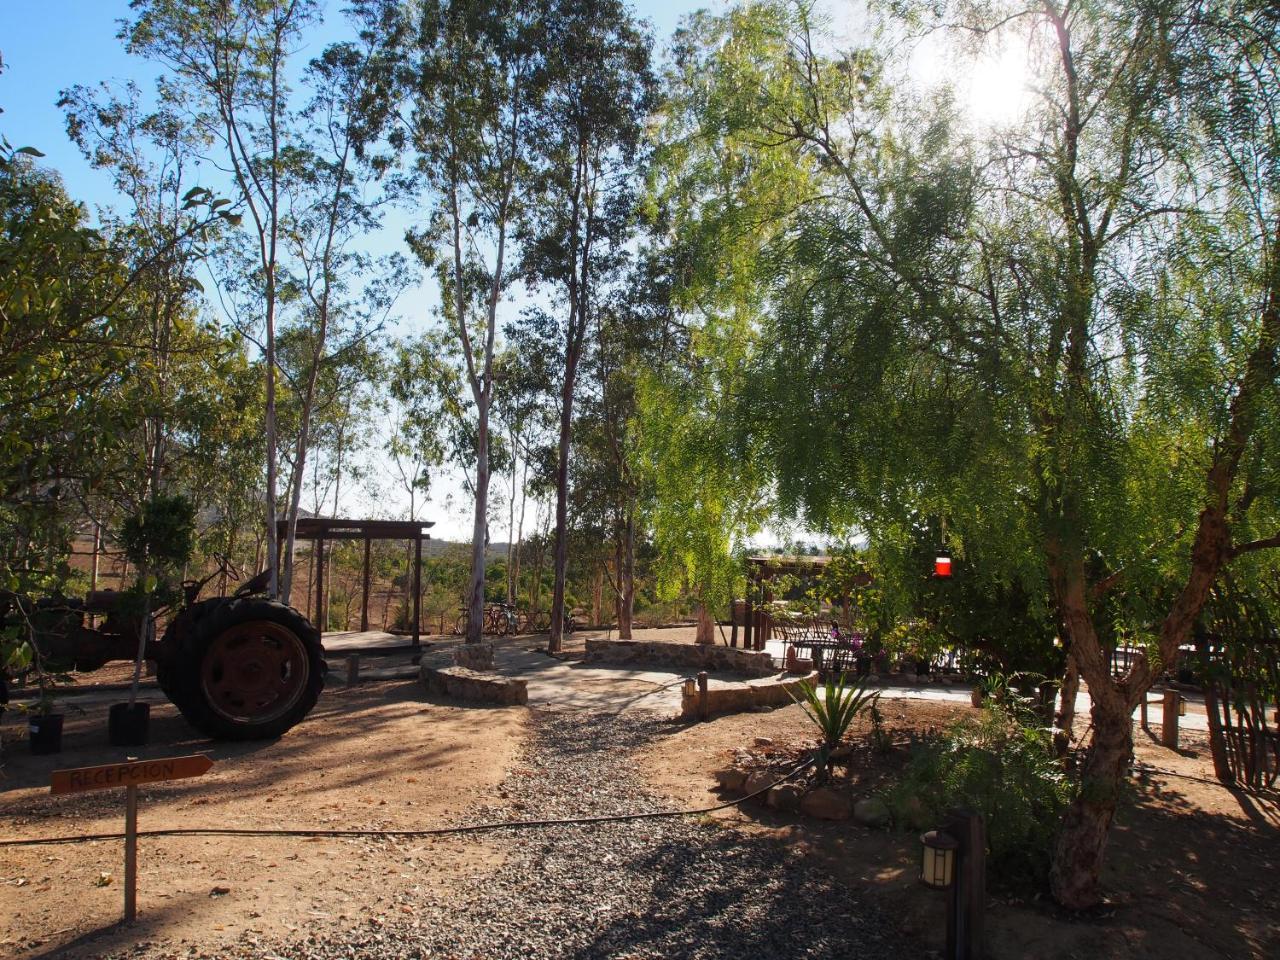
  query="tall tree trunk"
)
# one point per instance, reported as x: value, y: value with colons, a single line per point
x: 475, y: 592
x: 560, y: 557
x: 511, y: 519
x: 1082, y: 840
x: 706, y: 625
x: 1066, y: 718
x: 515, y: 559
x: 273, y: 536
x: 300, y: 451
x: 624, y: 564
x: 616, y: 582
x: 628, y: 575
x: 1081, y: 843
x: 535, y: 590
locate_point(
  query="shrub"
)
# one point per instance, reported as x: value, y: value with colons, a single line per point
x: 1000, y: 768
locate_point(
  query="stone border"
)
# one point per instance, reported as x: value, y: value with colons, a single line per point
x: 692, y: 656
x: 774, y: 691
x: 471, y: 686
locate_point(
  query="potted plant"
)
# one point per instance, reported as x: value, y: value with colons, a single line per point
x: 44, y: 723
x: 19, y: 658
x: 44, y: 719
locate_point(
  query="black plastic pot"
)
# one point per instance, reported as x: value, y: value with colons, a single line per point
x: 45, y: 730
x: 128, y: 726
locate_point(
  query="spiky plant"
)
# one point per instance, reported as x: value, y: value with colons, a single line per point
x: 833, y: 709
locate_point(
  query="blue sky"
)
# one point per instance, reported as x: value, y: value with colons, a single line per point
x: 51, y: 45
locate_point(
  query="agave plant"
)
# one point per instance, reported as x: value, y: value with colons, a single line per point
x: 832, y: 708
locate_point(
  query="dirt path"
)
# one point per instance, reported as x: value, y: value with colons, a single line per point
x: 375, y: 756
x: 643, y: 890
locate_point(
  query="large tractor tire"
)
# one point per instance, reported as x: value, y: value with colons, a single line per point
x: 169, y: 668
x: 249, y: 669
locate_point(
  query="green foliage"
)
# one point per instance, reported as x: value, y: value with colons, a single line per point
x: 832, y: 708
x: 1001, y: 767
x: 160, y: 536
x: 880, y: 739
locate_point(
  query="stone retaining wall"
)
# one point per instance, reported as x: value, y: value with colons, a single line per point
x: 741, y: 697
x: 463, y: 684
x: 692, y: 656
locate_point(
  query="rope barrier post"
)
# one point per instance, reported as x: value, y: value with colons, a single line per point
x: 704, y: 706
x: 130, y: 853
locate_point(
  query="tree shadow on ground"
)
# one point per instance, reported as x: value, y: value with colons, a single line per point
x: 794, y: 909
x: 119, y: 935
x: 331, y: 754
x: 1208, y: 873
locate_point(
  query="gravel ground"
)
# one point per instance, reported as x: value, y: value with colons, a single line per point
x: 678, y: 887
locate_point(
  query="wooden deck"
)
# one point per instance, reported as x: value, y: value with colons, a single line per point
x: 366, y: 641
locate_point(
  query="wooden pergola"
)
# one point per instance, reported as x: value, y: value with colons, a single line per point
x: 322, y: 529
x: 761, y: 572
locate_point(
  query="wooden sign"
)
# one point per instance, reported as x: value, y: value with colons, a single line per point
x: 110, y: 775
x: 129, y: 776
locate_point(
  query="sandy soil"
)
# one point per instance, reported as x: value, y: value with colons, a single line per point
x: 1191, y: 873
x: 379, y: 755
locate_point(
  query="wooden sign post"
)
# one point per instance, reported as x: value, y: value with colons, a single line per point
x: 129, y: 776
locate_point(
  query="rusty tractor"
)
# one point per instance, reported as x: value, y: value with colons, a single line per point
x: 238, y: 667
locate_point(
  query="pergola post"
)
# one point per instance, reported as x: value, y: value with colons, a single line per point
x: 319, y: 551
x: 417, y: 590
x: 364, y: 590
x: 765, y: 630
x: 751, y: 612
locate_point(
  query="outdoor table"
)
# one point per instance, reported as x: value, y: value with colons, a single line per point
x: 839, y: 655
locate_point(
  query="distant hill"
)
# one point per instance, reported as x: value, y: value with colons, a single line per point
x: 440, y: 548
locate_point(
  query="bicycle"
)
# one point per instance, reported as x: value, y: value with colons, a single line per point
x: 502, y: 619
x: 536, y: 621
x: 460, y: 625
x: 569, y: 621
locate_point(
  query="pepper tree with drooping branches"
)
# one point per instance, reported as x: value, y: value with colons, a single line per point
x: 1060, y: 337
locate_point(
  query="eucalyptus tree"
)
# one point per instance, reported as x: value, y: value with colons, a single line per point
x: 347, y: 423
x: 461, y: 82
x: 598, y: 93
x: 632, y: 334
x: 153, y: 160
x: 1062, y: 341
x: 345, y: 293
x: 229, y: 62
x: 525, y: 409
x: 425, y: 391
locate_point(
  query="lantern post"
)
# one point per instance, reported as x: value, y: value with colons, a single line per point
x: 953, y: 859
